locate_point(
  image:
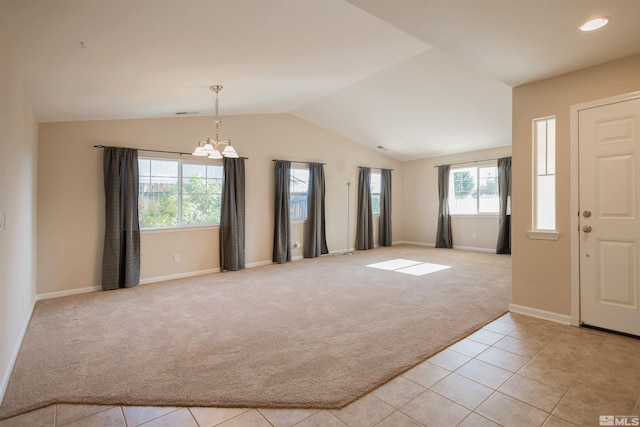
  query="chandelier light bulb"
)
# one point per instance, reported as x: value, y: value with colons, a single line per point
x: 198, y: 151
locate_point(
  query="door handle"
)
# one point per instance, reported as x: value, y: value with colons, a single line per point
x: 587, y: 228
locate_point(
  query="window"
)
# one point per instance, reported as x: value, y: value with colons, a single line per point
x: 173, y: 193
x: 298, y: 191
x: 158, y: 193
x: 474, y: 190
x: 544, y: 167
x: 375, y: 192
x: 201, y: 193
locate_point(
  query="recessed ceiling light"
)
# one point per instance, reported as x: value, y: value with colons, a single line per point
x: 594, y: 24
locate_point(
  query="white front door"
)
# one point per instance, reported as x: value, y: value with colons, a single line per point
x: 609, y: 170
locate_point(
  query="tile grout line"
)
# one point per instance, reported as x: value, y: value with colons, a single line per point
x: 178, y: 408
x: 124, y: 418
x: 194, y: 417
x: 295, y: 424
x: 265, y: 418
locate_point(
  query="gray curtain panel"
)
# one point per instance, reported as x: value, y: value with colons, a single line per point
x: 364, y: 216
x: 504, y: 188
x: 385, y: 208
x: 121, y: 256
x: 315, y: 239
x: 232, y: 216
x: 443, y: 236
x: 282, y: 225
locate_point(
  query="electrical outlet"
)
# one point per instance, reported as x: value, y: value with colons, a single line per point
x: 176, y: 258
x: 473, y: 235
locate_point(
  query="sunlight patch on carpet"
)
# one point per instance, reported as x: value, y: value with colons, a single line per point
x: 394, y: 264
x: 406, y: 266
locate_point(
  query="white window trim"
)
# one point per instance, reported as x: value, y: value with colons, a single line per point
x: 478, y: 215
x: 534, y: 233
x: 191, y: 227
x: 543, y: 235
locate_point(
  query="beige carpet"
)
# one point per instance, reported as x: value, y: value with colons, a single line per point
x: 314, y: 333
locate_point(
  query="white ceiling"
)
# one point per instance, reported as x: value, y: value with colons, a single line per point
x: 417, y: 77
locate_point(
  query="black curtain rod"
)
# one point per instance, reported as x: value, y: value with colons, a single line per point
x: 296, y: 161
x: 373, y: 168
x: 470, y: 161
x: 151, y: 151
x: 158, y: 151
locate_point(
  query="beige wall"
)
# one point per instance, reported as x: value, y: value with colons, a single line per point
x: 420, y: 204
x: 18, y: 149
x: 541, y: 269
x: 71, y: 195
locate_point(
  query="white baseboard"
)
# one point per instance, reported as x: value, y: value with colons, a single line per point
x: 406, y: 242
x: 540, y: 314
x: 143, y: 281
x: 57, y: 294
x: 196, y: 273
x: 4, y: 381
x: 433, y: 245
x: 475, y: 249
x: 342, y: 251
x: 178, y: 276
x: 259, y: 263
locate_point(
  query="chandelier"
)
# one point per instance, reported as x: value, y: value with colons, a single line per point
x: 211, y: 147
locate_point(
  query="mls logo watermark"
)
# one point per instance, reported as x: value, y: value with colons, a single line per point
x: 619, y: 420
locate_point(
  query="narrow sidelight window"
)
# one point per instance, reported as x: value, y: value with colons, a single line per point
x: 544, y: 169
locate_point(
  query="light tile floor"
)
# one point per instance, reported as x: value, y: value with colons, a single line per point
x: 516, y: 371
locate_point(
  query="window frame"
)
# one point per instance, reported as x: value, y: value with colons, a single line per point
x: 477, y: 166
x: 536, y: 231
x: 180, y: 225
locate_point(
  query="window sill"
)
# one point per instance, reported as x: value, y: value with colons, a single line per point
x: 179, y: 229
x: 543, y: 235
x: 479, y: 215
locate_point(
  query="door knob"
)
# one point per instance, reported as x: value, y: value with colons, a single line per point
x: 587, y: 228
x: 586, y: 214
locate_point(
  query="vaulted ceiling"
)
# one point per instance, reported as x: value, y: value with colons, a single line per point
x: 419, y: 78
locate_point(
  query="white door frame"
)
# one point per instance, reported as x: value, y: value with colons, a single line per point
x: 574, y: 192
